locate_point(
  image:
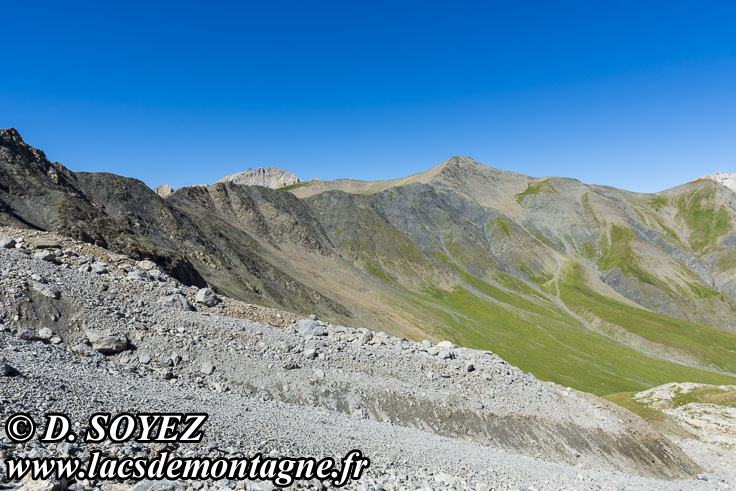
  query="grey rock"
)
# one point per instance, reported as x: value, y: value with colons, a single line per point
x: 157, y: 275
x: 107, y: 344
x: 309, y: 327
x: 138, y: 276
x: 445, y: 354
x: 45, y: 256
x: 162, y: 485
x: 100, y: 268
x: 45, y: 333
x: 26, y: 334
x: 310, y: 353
x: 144, y: 358
x: 176, y: 301
x: 46, y: 290
x: 42, y: 486
x: 291, y: 365
x: 6, y: 370
x: 365, y: 337
x: 82, y: 349
x: 207, y: 297
x: 207, y: 368
x: 7, y: 243
x: 146, y: 265
x: 43, y: 243
x: 286, y: 346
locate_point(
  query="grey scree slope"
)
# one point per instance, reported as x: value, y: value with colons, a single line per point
x: 427, y: 416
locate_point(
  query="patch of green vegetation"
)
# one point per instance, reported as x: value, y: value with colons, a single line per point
x: 501, y: 224
x: 294, y: 186
x: 705, y: 219
x: 375, y: 270
x: 709, y: 345
x: 658, y: 419
x: 658, y: 202
x: 473, y: 257
x: 539, y: 279
x: 620, y: 254
x: 701, y: 291
x: 587, y: 207
x: 670, y: 233
x: 705, y: 395
x: 727, y: 261
x: 587, y: 249
x: 545, y: 240
x: 534, y: 334
x: 535, y: 188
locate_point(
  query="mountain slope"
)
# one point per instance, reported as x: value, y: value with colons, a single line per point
x: 593, y: 287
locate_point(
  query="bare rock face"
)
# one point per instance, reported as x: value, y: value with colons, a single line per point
x: 164, y: 190
x: 724, y: 178
x: 270, y: 177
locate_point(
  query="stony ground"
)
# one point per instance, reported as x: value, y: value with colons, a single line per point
x: 83, y: 330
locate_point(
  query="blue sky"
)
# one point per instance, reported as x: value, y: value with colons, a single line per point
x: 630, y: 94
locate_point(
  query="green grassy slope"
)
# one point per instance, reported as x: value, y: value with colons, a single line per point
x: 538, y: 337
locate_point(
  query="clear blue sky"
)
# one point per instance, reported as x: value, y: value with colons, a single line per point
x: 634, y: 95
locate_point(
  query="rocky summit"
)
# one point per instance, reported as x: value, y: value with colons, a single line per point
x: 269, y: 177
x: 466, y: 327
x: 723, y: 178
x: 164, y: 190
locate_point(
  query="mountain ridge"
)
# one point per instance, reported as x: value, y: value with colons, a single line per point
x: 597, y: 288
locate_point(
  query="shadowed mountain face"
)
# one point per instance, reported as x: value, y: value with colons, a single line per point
x: 593, y: 287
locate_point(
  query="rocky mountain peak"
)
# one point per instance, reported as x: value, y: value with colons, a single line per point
x: 164, y: 190
x: 10, y: 135
x: 723, y: 178
x: 11, y: 139
x: 270, y: 177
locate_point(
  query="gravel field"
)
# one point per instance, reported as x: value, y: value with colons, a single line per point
x: 84, y: 330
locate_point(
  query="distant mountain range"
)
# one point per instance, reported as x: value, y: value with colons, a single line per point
x: 594, y: 287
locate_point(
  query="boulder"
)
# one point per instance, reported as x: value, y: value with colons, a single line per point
x: 146, y: 265
x: 26, y: 334
x: 446, y: 354
x: 138, y: 276
x: 45, y: 334
x: 46, y: 290
x: 45, y: 256
x: 162, y: 485
x: 207, y: 297
x: 176, y: 301
x: 7, y: 243
x: 82, y: 349
x: 309, y: 327
x: 365, y: 337
x: 42, y: 485
x: 100, y: 268
x: 43, y: 243
x: 6, y: 370
x: 107, y: 344
x: 207, y: 368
